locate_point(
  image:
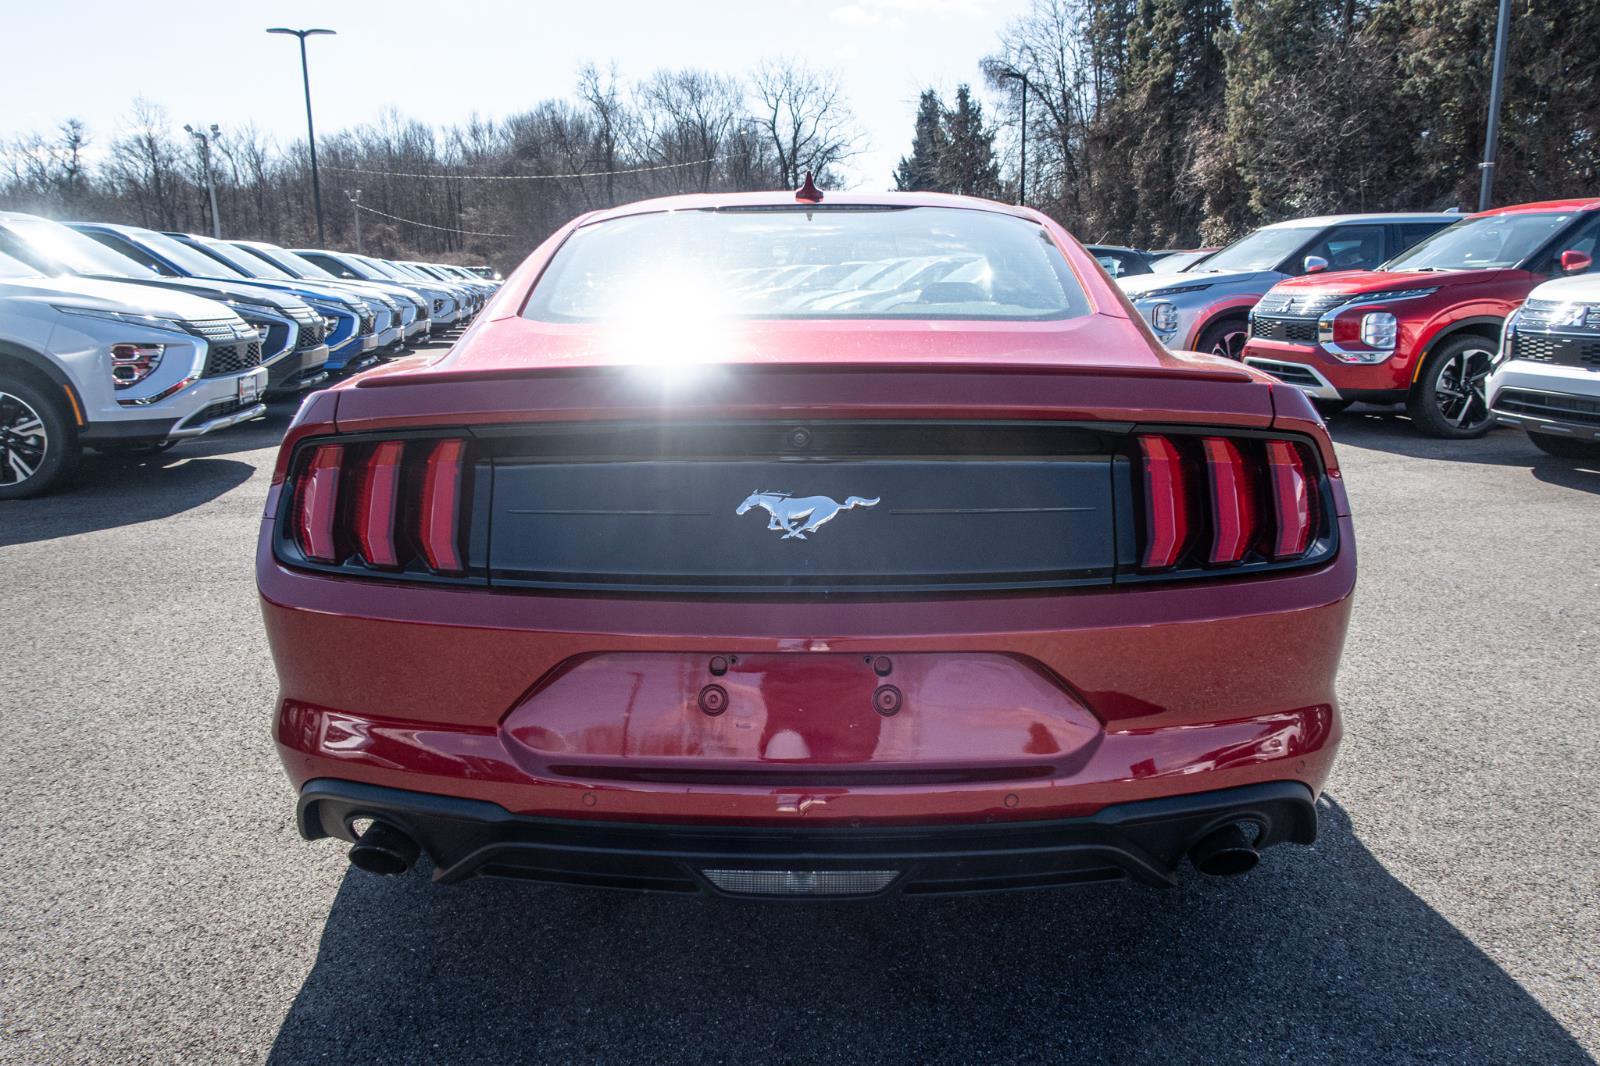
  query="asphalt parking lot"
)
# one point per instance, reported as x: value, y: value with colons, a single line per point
x: 156, y: 903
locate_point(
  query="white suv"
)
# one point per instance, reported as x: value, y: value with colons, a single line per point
x: 1547, y: 376
x: 115, y: 366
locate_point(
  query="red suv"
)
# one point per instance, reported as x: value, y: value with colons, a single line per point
x: 778, y: 545
x: 1423, y: 328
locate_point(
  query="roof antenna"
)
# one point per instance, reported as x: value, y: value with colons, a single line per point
x: 809, y: 191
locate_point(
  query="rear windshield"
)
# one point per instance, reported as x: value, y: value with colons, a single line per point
x: 810, y: 262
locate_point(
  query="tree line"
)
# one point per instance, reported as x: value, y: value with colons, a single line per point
x: 482, y: 190
x: 1158, y: 123
x: 1174, y: 122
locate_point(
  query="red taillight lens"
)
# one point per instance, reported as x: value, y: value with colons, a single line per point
x: 1233, y: 500
x: 1166, y: 503
x: 439, y: 520
x: 1291, y: 499
x: 317, y: 503
x: 376, y: 497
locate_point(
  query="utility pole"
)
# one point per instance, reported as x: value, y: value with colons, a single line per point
x: 355, y: 203
x: 311, y: 130
x: 1491, y: 137
x: 205, y: 158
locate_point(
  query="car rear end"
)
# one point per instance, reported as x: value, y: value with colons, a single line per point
x: 1042, y: 621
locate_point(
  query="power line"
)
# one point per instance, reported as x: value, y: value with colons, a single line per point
x: 524, y: 177
x: 425, y: 225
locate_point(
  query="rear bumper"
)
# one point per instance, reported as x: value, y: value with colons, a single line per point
x: 1143, y: 841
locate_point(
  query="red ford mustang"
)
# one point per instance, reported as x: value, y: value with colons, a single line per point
x: 777, y: 545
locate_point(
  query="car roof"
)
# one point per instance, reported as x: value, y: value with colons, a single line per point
x: 1585, y: 203
x: 1389, y: 216
x: 784, y: 198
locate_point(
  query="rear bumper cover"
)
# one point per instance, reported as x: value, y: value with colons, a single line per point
x: 1145, y: 841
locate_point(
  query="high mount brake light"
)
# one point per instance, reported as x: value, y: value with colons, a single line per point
x: 350, y: 501
x: 1226, y: 516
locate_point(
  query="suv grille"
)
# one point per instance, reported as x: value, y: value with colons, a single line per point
x: 225, y: 359
x: 1292, y: 305
x: 312, y: 333
x: 1556, y: 408
x: 369, y: 322
x: 1556, y: 349
x: 1300, y: 330
x: 217, y: 329
x: 1555, y: 315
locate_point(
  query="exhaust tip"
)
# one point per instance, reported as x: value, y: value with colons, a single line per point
x: 384, y: 850
x: 1225, y: 852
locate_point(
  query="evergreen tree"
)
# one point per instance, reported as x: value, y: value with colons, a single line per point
x: 919, y: 171
x: 967, y: 164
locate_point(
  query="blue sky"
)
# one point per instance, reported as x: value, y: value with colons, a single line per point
x: 439, y: 61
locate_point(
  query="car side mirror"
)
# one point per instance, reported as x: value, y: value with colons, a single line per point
x: 1315, y: 264
x: 1575, y: 262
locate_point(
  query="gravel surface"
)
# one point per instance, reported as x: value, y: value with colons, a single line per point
x: 156, y: 903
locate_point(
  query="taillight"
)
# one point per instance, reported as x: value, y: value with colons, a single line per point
x: 1233, y: 501
x: 1256, y: 502
x: 1291, y: 499
x: 376, y: 497
x: 439, y: 531
x: 366, y: 505
x: 318, y: 503
x: 1166, y: 503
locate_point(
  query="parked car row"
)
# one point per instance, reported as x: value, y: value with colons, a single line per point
x: 126, y: 339
x: 1408, y: 308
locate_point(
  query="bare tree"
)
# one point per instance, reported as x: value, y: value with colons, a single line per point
x: 803, y: 114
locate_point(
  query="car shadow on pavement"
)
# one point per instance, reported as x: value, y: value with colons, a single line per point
x: 1320, y: 955
x: 112, y: 491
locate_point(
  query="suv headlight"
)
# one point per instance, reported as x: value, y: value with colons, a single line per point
x: 1379, y: 329
x: 1163, y: 316
x: 127, y: 318
x: 132, y: 363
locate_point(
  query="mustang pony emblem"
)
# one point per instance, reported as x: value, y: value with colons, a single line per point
x: 810, y: 512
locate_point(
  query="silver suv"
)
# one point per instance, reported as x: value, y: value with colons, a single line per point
x: 115, y: 366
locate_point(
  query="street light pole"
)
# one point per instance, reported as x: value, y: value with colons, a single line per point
x: 211, y: 185
x: 311, y: 130
x: 1491, y: 136
x: 1022, y: 171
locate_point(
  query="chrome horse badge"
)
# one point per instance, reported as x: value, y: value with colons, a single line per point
x: 797, y: 517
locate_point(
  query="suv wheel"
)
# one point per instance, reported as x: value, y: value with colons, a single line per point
x: 1449, y: 399
x: 38, y: 443
x: 1224, y: 337
x: 1565, y: 447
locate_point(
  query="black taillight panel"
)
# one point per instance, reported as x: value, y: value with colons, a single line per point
x: 1236, y: 501
x: 356, y: 495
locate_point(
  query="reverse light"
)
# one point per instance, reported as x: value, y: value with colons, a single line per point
x: 132, y: 363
